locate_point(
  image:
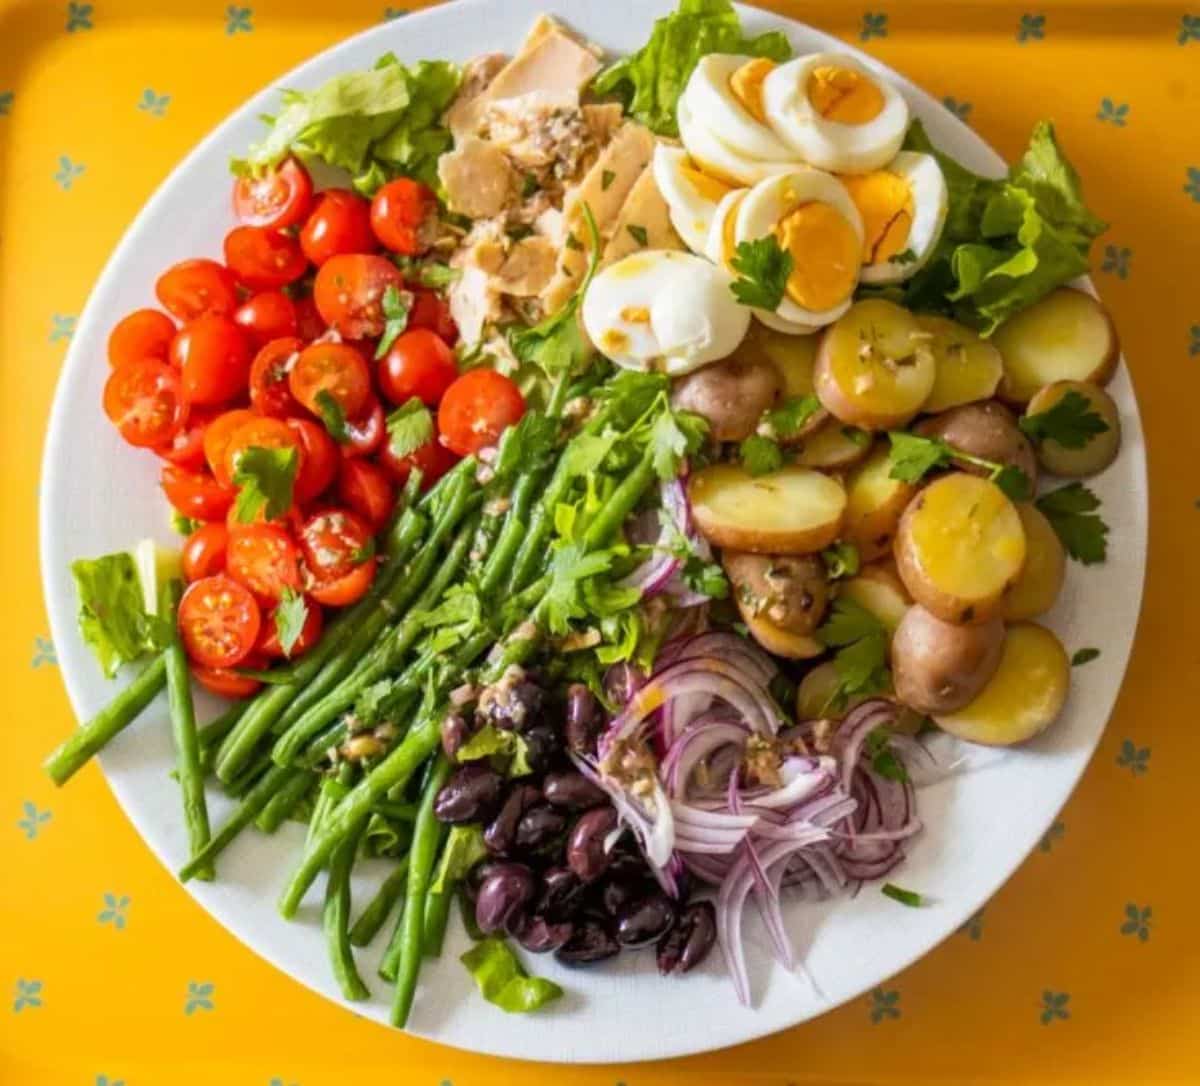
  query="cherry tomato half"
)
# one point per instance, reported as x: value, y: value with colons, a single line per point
x: 349, y: 293
x: 401, y: 214
x: 340, y: 223
x: 226, y: 682
x: 218, y: 437
x: 267, y: 316
x: 335, y: 542
x: 309, y: 325
x: 204, y: 551
x: 145, y: 401
x: 195, y: 494
x: 367, y: 489
x: 336, y: 369
x: 197, y: 288
x: 432, y: 312
x: 213, y: 356
x: 186, y: 448
x: 218, y: 621
x: 365, y: 434
x: 310, y: 633
x: 264, y: 559
x: 144, y: 333
x: 476, y: 410
x: 433, y: 458
x: 263, y: 259
x: 279, y: 198
x: 269, y: 391
x: 343, y: 591
x: 418, y: 364
x: 318, y: 461
x: 260, y: 433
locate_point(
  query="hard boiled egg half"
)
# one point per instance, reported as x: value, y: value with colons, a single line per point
x: 725, y: 93
x: 665, y: 311
x: 691, y: 195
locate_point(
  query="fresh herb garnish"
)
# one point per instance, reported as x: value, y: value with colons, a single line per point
x: 396, y: 306
x: 409, y: 427
x: 638, y: 233
x: 1070, y: 422
x: 332, y: 416
x: 573, y: 242
x: 1084, y: 656
x: 760, y: 455
x: 113, y: 619
x: 529, y: 185
x: 607, y: 177
x: 841, y: 560
x: 862, y: 644
x: 290, y: 615
x: 1071, y: 511
x: 432, y: 274
x: 906, y: 897
x: 789, y: 418
x: 907, y: 256
x: 763, y: 269
x: 183, y: 525
x: 878, y: 749
x: 914, y: 456
x: 265, y: 479
x: 503, y: 981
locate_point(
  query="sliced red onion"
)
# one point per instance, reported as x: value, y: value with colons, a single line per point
x: 692, y: 747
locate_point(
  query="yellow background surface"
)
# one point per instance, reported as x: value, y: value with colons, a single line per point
x: 97, y: 104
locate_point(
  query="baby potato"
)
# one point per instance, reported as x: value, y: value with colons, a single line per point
x: 833, y: 446
x: 791, y: 511
x: 986, y: 430
x: 814, y: 700
x: 732, y: 394
x: 1066, y: 336
x: 795, y: 357
x: 874, y: 366
x: 1022, y: 698
x: 1041, y: 578
x: 1098, y: 452
x: 968, y: 368
x: 788, y: 591
x: 959, y: 547
x: 874, y: 503
x: 877, y: 588
x: 938, y: 667
x: 781, y: 642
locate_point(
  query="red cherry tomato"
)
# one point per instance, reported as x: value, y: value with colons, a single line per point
x: 226, y: 682
x: 186, y: 448
x: 365, y: 434
x: 278, y: 199
x: 145, y: 333
x: 367, y: 489
x: 340, y: 223
x: 343, y: 591
x: 418, y: 364
x: 267, y: 316
x: 197, y: 288
x: 335, y: 542
x: 310, y: 633
x: 145, y: 402
x: 218, y: 621
x: 336, y: 369
x: 260, y: 434
x: 195, y: 494
x: 432, y: 312
x: 264, y: 559
x: 432, y: 458
x: 349, y: 293
x: 318, y: 461
x: 204, y: 551
x: 217, y: 439
x: 269, y: 392
x: 309, y: 325
x: 263, y: 259
x: 476, y: 410
x: 213, y: 356
x: 401, y: 214
x: 289, y: 521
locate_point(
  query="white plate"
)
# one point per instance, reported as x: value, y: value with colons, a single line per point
x: 99, y: 495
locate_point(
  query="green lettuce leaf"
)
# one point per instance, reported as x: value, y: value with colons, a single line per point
x: 507, y: 750
x: 503, y: 981
x: 112, y: 611
x: 464, y: 848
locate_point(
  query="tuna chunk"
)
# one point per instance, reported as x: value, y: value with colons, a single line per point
x: 478, y: 74
x: 644, y: 222
x: 478, y: 179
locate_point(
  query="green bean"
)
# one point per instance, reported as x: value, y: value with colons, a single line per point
x: 375, y: 915
x: 216, y: 729
x: 244, y: 781
x: 621, y: 502
x: 117, y: 715
x: 437, y: 914
x: 504, y: 553
x: 335, y: 920
x: 389, y: 964
x: 401, y: 812
x: 284, y: 802
x: 427, y: 837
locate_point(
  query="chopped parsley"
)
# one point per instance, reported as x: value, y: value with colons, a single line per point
x: 789, y: 418
x: 606, y: 180
x: 1071, y: 511
x: 409, y: 427
x: 1084, y: 656
x: 841, y: 560
x: 291, y: 613
x: 396, y: 306
x: 914, y: 456
x: 529, y: 186
x: 1070, y: 422
x: 907, y: 256
x: 760, y: 455
x: 638, y: 233
x: 906, y: 897
x: 763, y: 269
x: 574, y: 243
x: 265, y: 479
x: 183, y: 525
x: 862, y: 644
x: 878, y: 748
x: 332, y: 416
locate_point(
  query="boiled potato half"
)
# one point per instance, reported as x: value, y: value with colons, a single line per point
x: 874, y: 366
x: 731, y: 394
x: 1097, y: 451
x: 791, y: 511
x: 959, y: 547
x: 791, y: 592
x: 874, y: 503
x: 795, y: 357
x: 938, y: 667
x: 1023, y: 697
x: 1041, y: 578
x: 781, y: 642
x: 877, y: 588
x: 1067, y: 336
x: 833, y: 446
x: 814, y: 700
x: 968, y: 368
x: 987, y: 430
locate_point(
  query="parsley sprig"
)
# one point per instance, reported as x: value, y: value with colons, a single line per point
x: 397, y: 304
x: 409, y: 427
x: 1070, y: 422
x: 265, y: 479
x: 291, y: 613
x: 332, y: 416
x: 862, y: 644
x: 1071, y: 511
x: 760, y: 455
x: 763, y: 269
x: 913, y: 457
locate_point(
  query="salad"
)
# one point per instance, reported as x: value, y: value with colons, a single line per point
x: 591, y: 504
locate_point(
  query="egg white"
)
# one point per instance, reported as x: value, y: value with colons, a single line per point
x: 690, y: 209
x: 714, y: 156
x: 931, y: 201
x: 710, y: 96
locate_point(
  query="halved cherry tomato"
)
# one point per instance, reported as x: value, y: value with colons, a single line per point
x: 204, y: 551
x: 263, y: 259
x: 144, y: 333
x: 318, y: 462
x: 310, y: 633
x: 433, y: 458
x: 267, y: 316
x: 340, y: 223
x: 279, y: 198
x: 365, y: 434
x: 226, y: 682
x: 145, y: 401
x: 217, y: 439
x: 197, y: 288
x: 333, y: 368
x: 196, y: 494
x: 213, y: 356
x: 269, y: 392
x: 367, y: 489
x: 432, y: 312
x: 290, y: 520
x: 418, y: 364
x: 265, y: 559
x: 186, y: 448
x: 335, y: 542
x: 262, y: 434
x: 343, y: 591
x: 309, y: 325
x: 401, y: 214
x: 349, y: 293
x: 218, y: 621
x: 476, y: 410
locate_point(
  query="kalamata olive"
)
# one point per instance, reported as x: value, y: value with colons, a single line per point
x: 622, y: 681
x: 542, y: 747
x: 590, y: 942
x: 513, y: 704
x: 687, y: 944
x: 586, y: 854
x: 539, y: 827
x: 455, y: 732
x: 539, y: 935
x: 503, y: 896
x: 562, y: 894
x: 472, y: 794
x: 618, y: 894
x: 583, y: 719
x: 501, y: 832
x: 645, y: 921
x: 571, y: 789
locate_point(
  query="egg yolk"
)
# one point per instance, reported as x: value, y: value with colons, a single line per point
x: 729, y: 231
x: 708, y: 187
x: 844, y: 95
x: 747, y: 86
x: 885, y: 203
x: 825, y: 255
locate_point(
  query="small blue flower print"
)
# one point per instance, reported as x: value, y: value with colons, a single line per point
x: 1031, y: 28
x: 154, y: 104
x: 43, y: 653
x: 393, y: 13
x: 1194, y: 340
x: 68, y: 171
x: 874, y: 25
x: 79, y: 17
x: 104, y: 1080
x: 1189, y: 29
x: 62, y: 326
x: 1192, y: 188
x: 280, y: 1082
x: 114, y: 911
x: 32, y: 820
x: 973, y: 928
x: 6, y: 101
x: 1054, y: 833
x: 199, y: 997
x: 1137, y: 922
x: 237, y: 20
x: 1116, y: 260
x: 1114, y: 113
x: 1054, y: 1005
x: 962, y: 110
x: 29, y: 994
x: 884, y: 1004
x: 1135, y: 759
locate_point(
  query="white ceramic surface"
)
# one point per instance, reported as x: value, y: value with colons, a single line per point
x: 99, y: 495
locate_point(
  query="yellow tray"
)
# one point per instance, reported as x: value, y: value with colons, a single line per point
x: 1084, y: 968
